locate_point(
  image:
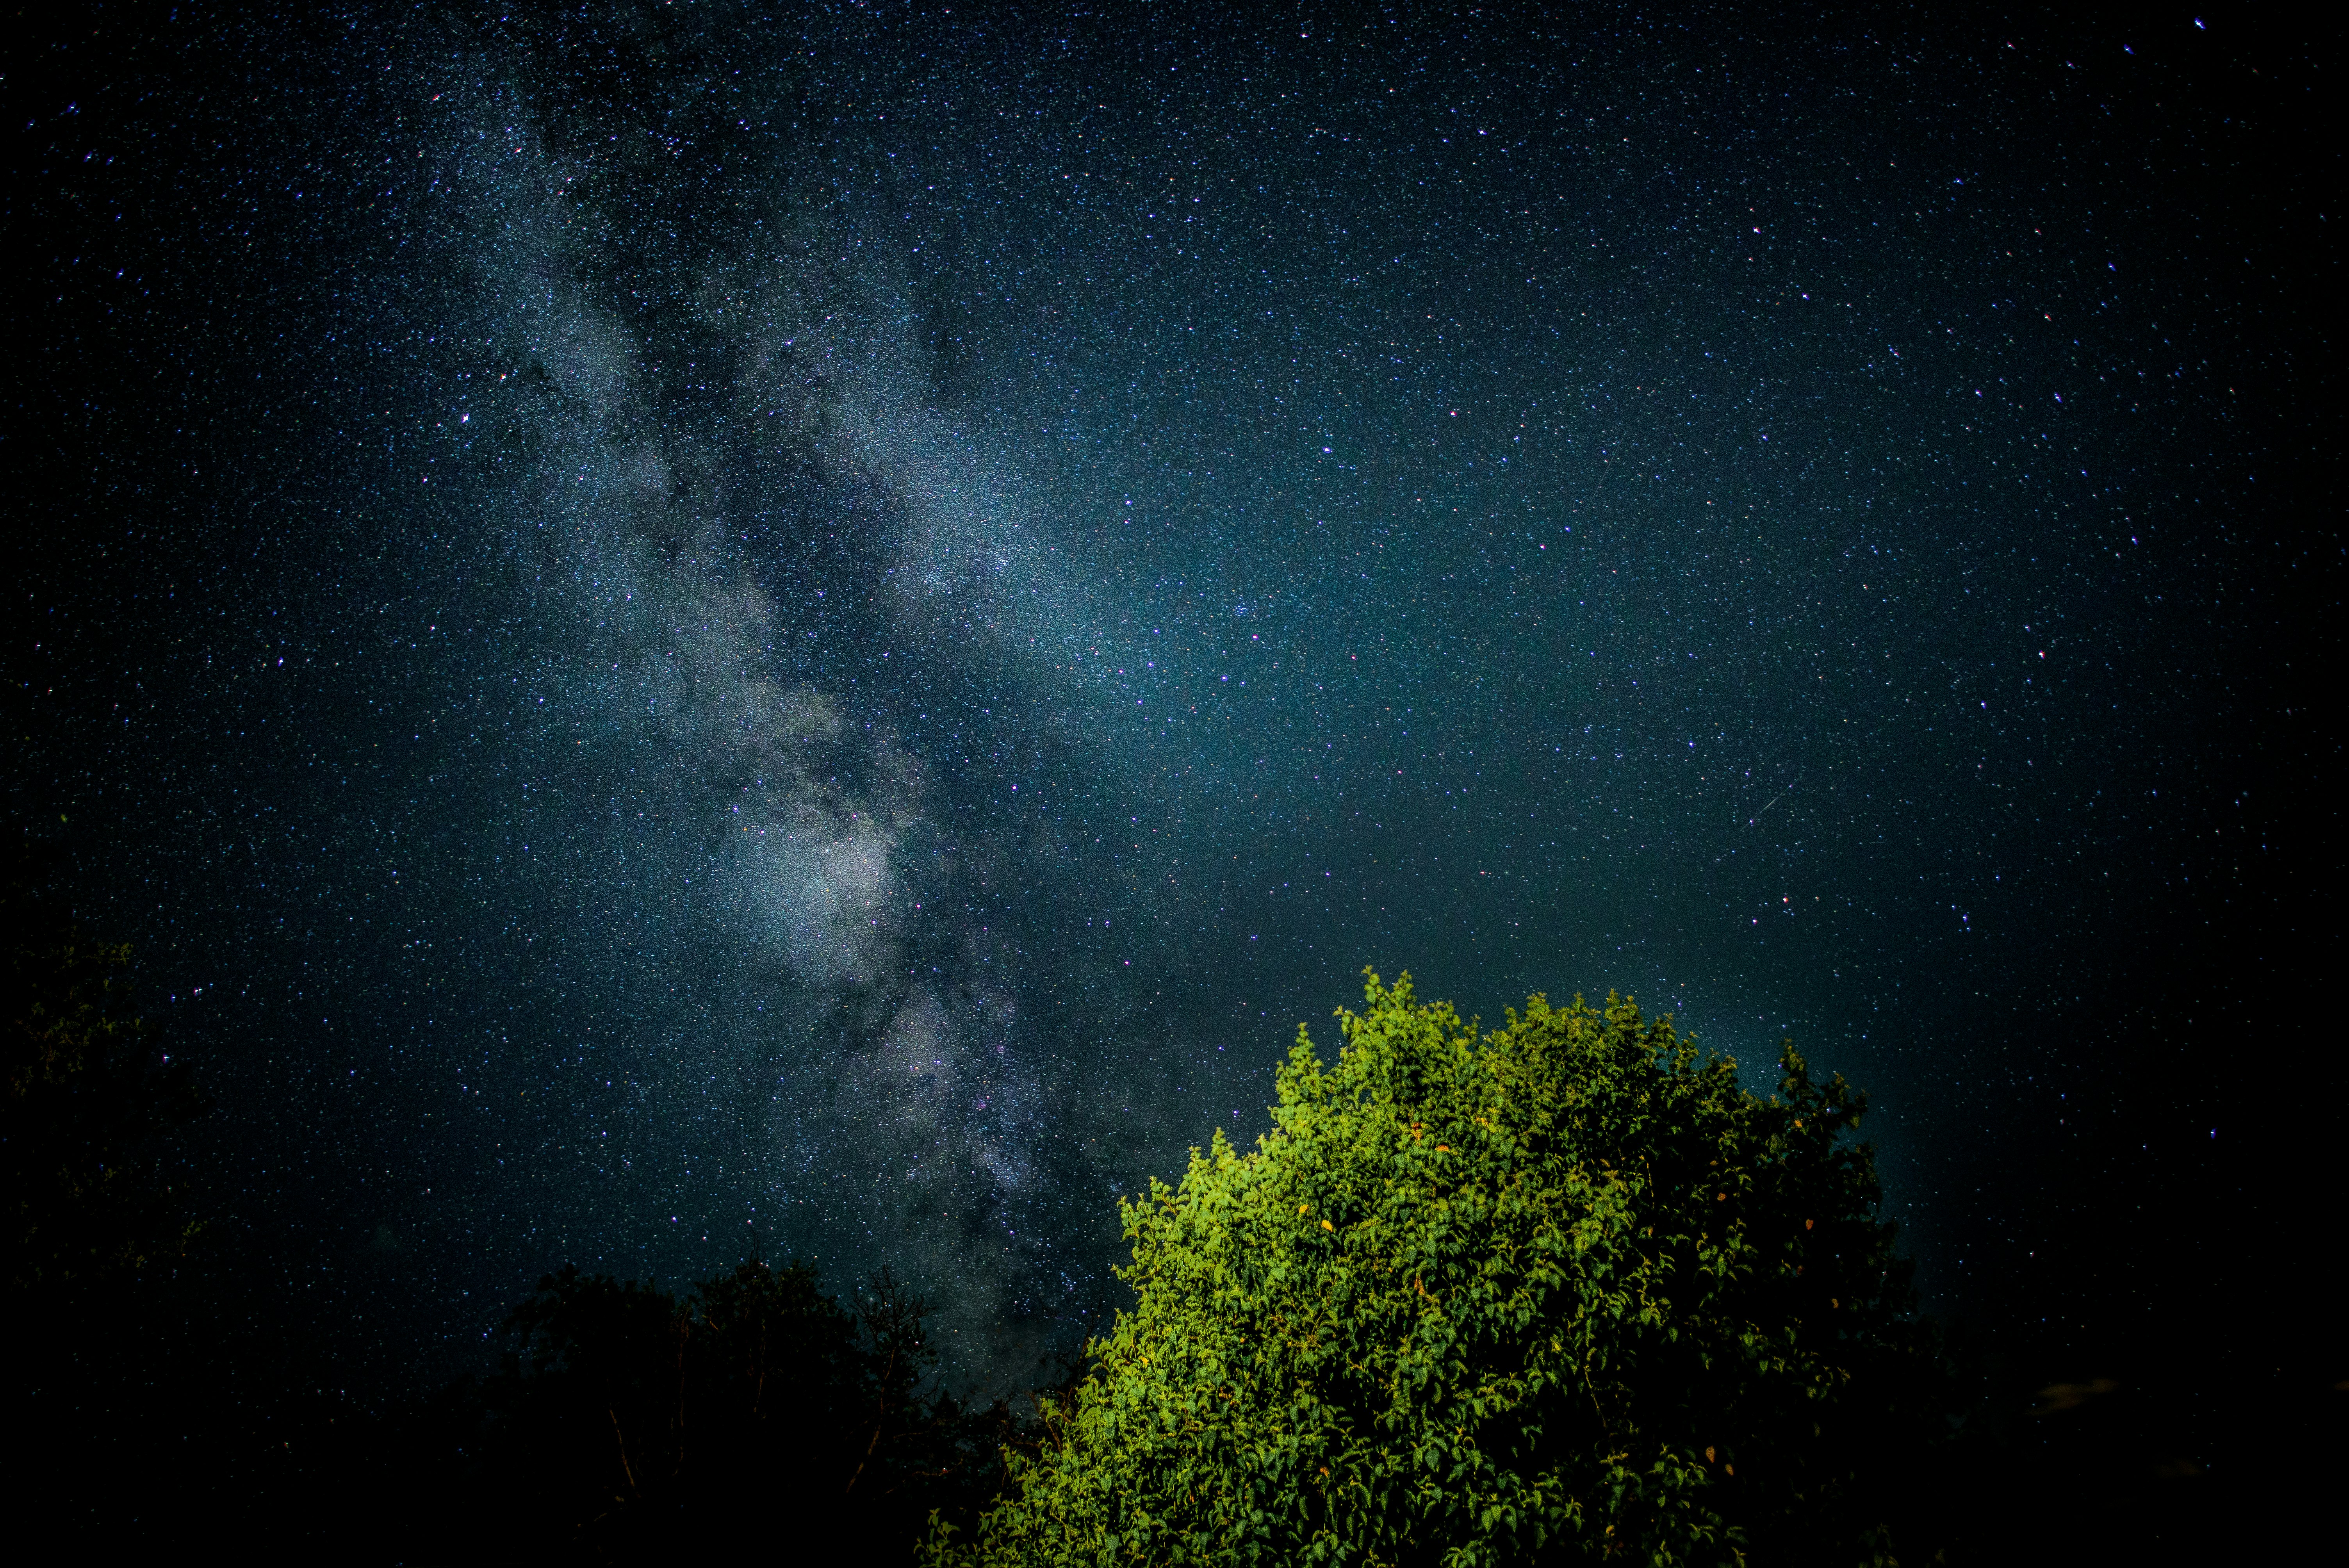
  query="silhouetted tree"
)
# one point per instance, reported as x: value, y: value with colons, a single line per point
x: 756, y: 1407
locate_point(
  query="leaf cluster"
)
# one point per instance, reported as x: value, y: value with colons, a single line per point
x: 1557, y: 1292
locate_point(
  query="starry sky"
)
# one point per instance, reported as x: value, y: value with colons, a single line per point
x: 682, y: 630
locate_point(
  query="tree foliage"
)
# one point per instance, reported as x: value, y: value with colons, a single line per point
x: 1557, y: 1292
x: 756, y: 1406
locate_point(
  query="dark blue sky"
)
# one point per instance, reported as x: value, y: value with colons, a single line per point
x: 683, y: 628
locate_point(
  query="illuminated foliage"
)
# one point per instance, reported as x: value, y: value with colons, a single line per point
x: 1555, y: 1292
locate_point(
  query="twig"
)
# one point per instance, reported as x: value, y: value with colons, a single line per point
x: 618, y: 1437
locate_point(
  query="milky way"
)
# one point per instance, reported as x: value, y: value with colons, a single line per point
x: 686, y: 633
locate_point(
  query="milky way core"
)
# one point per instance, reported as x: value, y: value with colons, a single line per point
x: 682, y: 633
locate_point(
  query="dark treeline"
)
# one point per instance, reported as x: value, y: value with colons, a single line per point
x: 627, y: 1419
x: 624, y: 1421
x: 165, y: 1388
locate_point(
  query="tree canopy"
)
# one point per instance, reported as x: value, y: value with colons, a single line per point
x: 1553, y: 1291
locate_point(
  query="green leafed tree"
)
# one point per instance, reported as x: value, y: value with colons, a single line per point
x: 1553, y: 1293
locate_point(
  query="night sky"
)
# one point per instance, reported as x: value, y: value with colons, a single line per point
x: 688, y: 630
